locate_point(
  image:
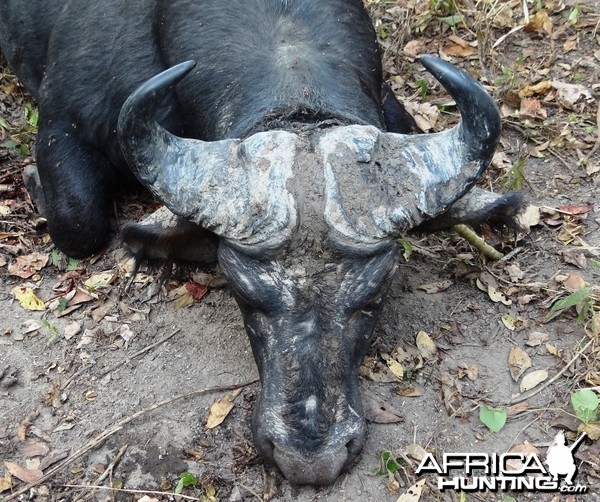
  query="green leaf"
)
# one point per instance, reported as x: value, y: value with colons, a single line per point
x: 574, y: 15
x: 570, y: 301
x: 585, y: 403
x: 493, y: 418
x: 185, y: 479
x: 408, y: 248
x: 72, y: 265
x: 4, y: 124
x: 452, y: 20
x: 595, y: 264
x: 9, y: 143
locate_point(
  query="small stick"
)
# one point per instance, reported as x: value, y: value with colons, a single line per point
x: 476, y: 241
x: 138, y: 492
x: 95, y: 442
x: 127, y: 360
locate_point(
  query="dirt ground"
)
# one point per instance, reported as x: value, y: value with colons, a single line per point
x: 73, y: 375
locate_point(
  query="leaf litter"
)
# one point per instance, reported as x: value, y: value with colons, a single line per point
x: 518, y: 292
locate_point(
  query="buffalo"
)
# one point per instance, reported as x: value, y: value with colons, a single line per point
x: 266, y: 129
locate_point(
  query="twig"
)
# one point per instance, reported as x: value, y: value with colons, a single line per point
x: 108, y: 471
x: 127, y: 360
x: 95, y: 442
x: 139, y: 492
x: 537, y: 390
x: 476, y: 241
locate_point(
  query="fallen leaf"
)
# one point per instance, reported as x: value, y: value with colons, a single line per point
x: 100, y: 280
x: 196, y: 290
x: 540, y: 21
x: 416, y: 451
x: 509, y: 321
x: 536, y: 338
x: 379, y: 412
x: 71, y: 329
x: 459, y: 51
x: 497, y: 296
x: 531, y: 107
x: 408, y: 392
x: 471, y: 372
x: 592, y: 429
x: 81, y: 296
x: 26, y: 266
x: 539, y: 88
x: 413, y: 48
x: 552, y: 350
x: 451, y: 392
x: 375, y: 371
x: 394, y: 366
x: 533, y: 379
x: 435, y: 287
x: 413, y: 494
x: 518, y: 362
x: 574, y: 282
x: 27, y: 298
x: 220, y: 409
x: 526, y: 450
x: 5, y: 483
x: 33, y: 448
x: 25, y: 475
x: 530, y: 217
x: 426, y: 346
x: 569, y: 94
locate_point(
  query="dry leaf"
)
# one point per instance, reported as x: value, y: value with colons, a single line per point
x: 533, y: 108
x: 471, y: 372
x: 552, y: 350
x: 25, y: 475
x: 426, y: 346
x: 509, y: 321
x: 408, y: 392
x: 526, y: 449
x: 27, y: 298
x: 379, y: 412
x: 518, y: 362
x: 496, y: 296
x: 26, y: 266
x: 459, y: 51
x: 536, y: 338
x: 435, y: 287
x: 416, y: 451
x: 375, y: 371
x: 33, y: 448
x: 413, y: 48
x: 592, y: 429
x: 5, y: 483
x: 533, y: 379
x: 538, y: 22
x: 569, y: 94
x: 100, y: 280
x: 530, y: 217
x: 539, y: 88
x: 574, y: 282
x: 413, y: 494
x: 220, y: 409
x: 394, y: 366
x: 451, y: 391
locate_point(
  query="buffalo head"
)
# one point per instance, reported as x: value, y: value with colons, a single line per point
x: 308, y: 221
